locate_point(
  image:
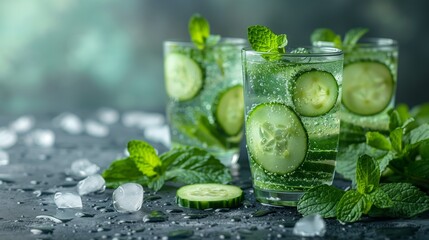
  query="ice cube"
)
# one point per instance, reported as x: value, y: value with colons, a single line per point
x: 4, y: 158
x: 310, y: 226
x: 70, y: 123
x: 22, y: 124
x: 158, y: 134
x: 67, y: 200
x: 128, y: 197
x: 83, y: 168
x: 142, y: 119
x: 107, y: 115
x: 93, y: 183
x: 8, y: 138
x: 41, y: 137
x: 96, y: 129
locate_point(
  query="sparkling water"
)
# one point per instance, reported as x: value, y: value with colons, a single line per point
x: 93, y: 183
x: 67, y: 200
x: 128, y: 197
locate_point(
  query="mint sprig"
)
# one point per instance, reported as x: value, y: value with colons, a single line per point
x: 186, y: 165
x: 350, y: 38
x: 199, y: 31
x: 262, y: 39
x: 368, y: 198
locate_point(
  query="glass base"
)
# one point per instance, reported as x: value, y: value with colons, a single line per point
x: 274, y: 198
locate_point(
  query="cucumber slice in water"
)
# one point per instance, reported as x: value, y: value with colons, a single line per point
x: 315, y: 93
x: 183, y: 77
x: 229, y: 110
x: 209, y: 195
x: 367, y: 87
x: 276, y: 137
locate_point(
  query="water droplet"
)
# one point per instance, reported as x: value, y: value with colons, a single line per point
x: 181, y: 233
x: 155, y: 216
x: 152, y: 198
x: 262, y: 212
x: 84, y: 215
x: 174, y: 210
x: 195, y: 216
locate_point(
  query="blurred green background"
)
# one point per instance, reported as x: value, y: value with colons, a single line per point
x: 65, y: 55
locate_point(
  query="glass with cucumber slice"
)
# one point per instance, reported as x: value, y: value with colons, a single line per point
x: 205, y: 105
x: 292, y: 122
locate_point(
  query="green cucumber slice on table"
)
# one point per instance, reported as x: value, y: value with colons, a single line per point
x: 183, y: 77
x: 229, y: 110
x: 368, y: 87
x: 314, y: 93
x: 276, y: 137
x: 209, y: 195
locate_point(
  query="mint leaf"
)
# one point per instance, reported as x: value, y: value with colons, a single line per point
x: 193, y: 165
x: 418, y: 169
x: 380, y: 199
x: 396, y: 139
x: 199, y: 30
x: 262, y: 39
x: 212, y: 40
x: 123, y: 171
x: 408, y: 201
x: 156, y: 183
x: 421, y: 113
x: 367, y: 174
x: 322, y: 199
x: 384, y: 160
x: 419, y: 134
x: 145, y: 157
x: 351, y: 206
x: 424, y: 150
x: 326, y: 35
x: 353, y: 36
x: 378, y: 140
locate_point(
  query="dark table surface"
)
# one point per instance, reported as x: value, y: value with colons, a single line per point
x: 34, y: 174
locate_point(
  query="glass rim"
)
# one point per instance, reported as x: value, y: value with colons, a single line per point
x: 331, y: 52
x: 368, y: 42
x: 223, y: 40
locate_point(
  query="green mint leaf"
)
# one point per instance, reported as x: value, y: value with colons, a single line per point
x: 326, y: 35
x: 421, y: 113
x: 156, y: 183
x: 380, y: 199
x: 419, y: 135
x: 262, y: 39
x: 145, y: 157
x: 418, y: 169
x: 351, y: 206
x: 378, y: 140
x: 199, y: 30
x: 193, y: 165
x: 347, y: 159
x: 367, y: 174
x: 322, y: 199
x: 396, y: 139
x: 123, y: 171
x: 384, y: 160
x: 408, y: 201
x: 424, y: 150
x: 399, y: 116
x: 352, y: 37
x: 212, y: 40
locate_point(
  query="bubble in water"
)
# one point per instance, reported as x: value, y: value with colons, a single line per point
x: 4, y: 158
x: 8, y: 138
x: 128, y: 197
x: 96, y: 129
x: 310, y: 226
x: 41, y: 137
x: 67, y: 200
x: 107, y: 115
x: 93, y: 183
x: 70, y: 123
x: 83, y: 168
x: 22, y: 124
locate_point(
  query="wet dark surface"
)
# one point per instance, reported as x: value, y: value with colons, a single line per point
x: 34, y: 174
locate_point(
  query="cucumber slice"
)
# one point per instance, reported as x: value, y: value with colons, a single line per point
x: 209, y: 195
x: 367, y: 87
x: 314, y: 93
x: 229, y: 110
x: 183, y: 77
x: 276, y: 137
